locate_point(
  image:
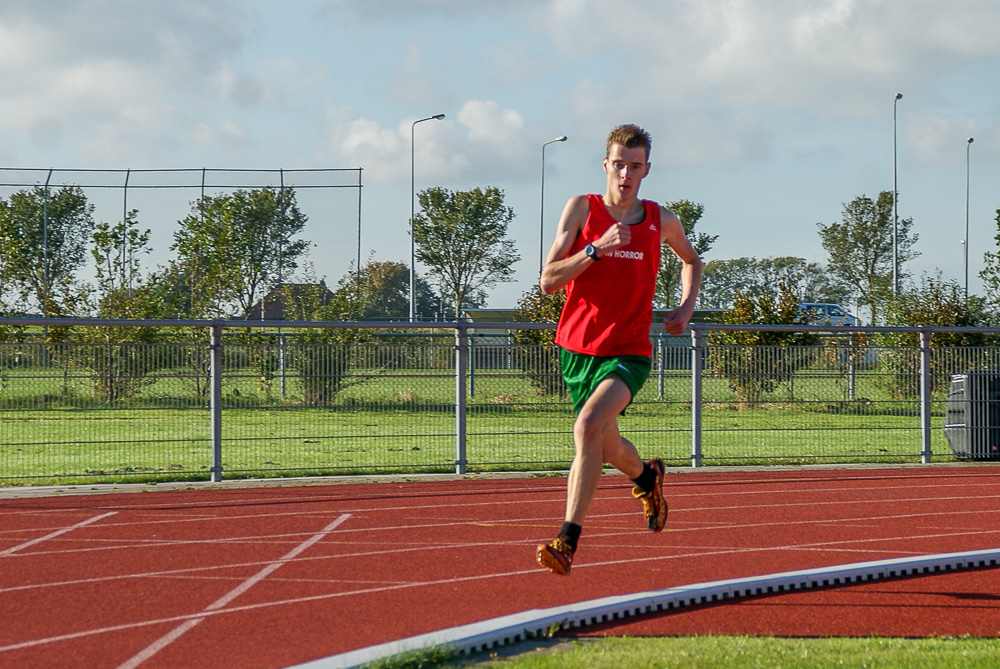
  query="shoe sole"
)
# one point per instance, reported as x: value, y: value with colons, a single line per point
x: 651, y: 521
x: 551, y: 562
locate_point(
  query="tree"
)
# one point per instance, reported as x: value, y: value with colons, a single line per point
x: 934, y: 303
x: 991, y: 271
x: 756, y: 362
x: 121, y: 358
x: 116, y: 250
x: 382, y: 291
x: 321, y: 356
x: 860, y: 248
x: 668, y: 279
x: 43, y: 242
x: 723, y: 280
x: 462, y: 238
x: 183, y: 289
x: 238, y: 246
x: 535, y: 351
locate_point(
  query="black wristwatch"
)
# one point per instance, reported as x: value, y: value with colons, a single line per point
x: 591, y: 252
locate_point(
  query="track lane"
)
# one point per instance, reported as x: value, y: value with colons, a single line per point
x: 424, y: 556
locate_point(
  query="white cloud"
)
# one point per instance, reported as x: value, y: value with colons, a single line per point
x: 481, y: 141
x: 107, y: 77
x: 838, y: 53
x: 351, y: 139
x: 726, y: 70
x: 933, y: 139
x: 398, y: 10
x: 488, y: 124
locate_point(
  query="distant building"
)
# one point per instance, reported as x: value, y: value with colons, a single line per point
x: 272, y: 306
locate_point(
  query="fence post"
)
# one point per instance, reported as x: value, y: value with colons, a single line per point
x: 925, y: 396
x: 697, y: 348
x: 660, y: 374
x: 215, y: 402
x: 461, y: 367
x: 472, y: 365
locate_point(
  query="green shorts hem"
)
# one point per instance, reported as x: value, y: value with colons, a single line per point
x: 583, y: 373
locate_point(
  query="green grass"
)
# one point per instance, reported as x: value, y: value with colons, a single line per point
x: 727, y: 652
x: 54, y: 430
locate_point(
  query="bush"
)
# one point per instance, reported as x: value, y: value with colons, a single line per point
x: 756, y: 362
x: 934, y: 303
x: 535, y: 351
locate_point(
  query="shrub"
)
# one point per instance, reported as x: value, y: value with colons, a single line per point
x: 535, y: 352
x: 756, y: 362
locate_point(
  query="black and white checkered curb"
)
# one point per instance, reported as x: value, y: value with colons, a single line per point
x: 543, y: 622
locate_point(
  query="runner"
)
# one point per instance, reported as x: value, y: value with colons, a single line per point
x: 606, y: 254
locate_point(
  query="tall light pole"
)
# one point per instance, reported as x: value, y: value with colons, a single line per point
x: 895, y: 198
x: 413, y: 244
x: 968, y: 147
x: 541, y: 218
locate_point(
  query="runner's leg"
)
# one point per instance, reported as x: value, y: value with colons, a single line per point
x: 596, y: 436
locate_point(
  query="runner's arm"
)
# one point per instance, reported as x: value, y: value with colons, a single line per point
x: 559, y: 270
x: 672, y: 234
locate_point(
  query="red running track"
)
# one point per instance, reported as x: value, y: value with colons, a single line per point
x: 275, y: 576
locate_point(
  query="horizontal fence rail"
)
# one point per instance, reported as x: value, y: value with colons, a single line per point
x: 88, y: 400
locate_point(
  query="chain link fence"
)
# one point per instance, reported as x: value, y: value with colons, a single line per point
x: 330, y: 199
x: 85, y: 400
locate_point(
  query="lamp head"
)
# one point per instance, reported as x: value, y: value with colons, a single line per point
x: 562, y: 138
x: 437, y: 117
x: 969, y: 140
x: 899, y: 96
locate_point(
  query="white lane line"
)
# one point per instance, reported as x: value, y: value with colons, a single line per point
x: 678, y: 506
x: 366, y: 591
x: 53, y: 535
x: 254, y: 607
x: 613, y: 540
x: 187, y: 625
x: 410, y: 547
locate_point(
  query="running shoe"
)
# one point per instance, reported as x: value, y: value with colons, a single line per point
x: 654, y: 506
x: 556, y: 555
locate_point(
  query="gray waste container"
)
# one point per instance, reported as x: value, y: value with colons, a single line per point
x: 972, y: 419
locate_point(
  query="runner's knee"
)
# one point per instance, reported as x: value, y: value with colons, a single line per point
x: 589, y: 431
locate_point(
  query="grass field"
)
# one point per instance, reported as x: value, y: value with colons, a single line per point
x: 726, y: 652
x: 53, y: 429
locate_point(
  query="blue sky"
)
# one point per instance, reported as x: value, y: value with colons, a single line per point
x: 771, y: 113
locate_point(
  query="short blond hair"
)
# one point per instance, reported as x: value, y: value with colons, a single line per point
x: 630, y: 136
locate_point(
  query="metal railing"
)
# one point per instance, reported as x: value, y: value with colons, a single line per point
x: 103, y: 400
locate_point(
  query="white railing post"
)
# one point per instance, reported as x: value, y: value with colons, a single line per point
x: 925, y: 396
x: 461, y: 367
x: 697, y: 350
x: 215, y: 401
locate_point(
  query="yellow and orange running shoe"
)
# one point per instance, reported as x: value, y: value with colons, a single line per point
x: 654, y: 506
x: 556, y: 555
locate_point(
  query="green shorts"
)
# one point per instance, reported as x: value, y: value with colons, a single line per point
x: 583, y: 373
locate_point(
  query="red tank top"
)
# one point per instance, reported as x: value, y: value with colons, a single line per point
x: 609, y: 306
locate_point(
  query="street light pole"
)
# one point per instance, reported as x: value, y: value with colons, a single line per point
x: 541, y: 218
x: 968, y: 147
x: 413, y: 244
x: 895, y: 198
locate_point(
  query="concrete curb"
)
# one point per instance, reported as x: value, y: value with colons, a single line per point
x: 516, y: 627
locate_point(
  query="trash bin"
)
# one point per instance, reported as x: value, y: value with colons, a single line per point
x: 972, y: 418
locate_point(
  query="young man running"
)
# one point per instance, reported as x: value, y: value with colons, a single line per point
x: 606, y: 254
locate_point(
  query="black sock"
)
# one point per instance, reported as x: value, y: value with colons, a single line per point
x: 572, y: 532
x: 647, y: 479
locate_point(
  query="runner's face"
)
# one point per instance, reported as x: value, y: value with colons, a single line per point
x: 626, y: 169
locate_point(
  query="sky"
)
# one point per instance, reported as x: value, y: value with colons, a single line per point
x: 772, y: 114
